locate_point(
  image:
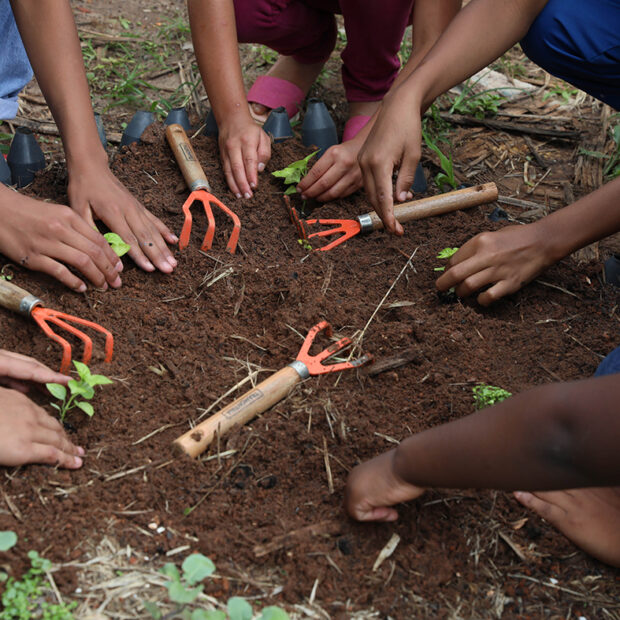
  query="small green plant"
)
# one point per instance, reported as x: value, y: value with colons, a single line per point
x: 6, y: 273
x: 184, y: 588
x: 117, y: 244
x: 487, y: 395
x: 305, y: 244
x: 611, y: 169
x: 24, y: 599
x: 444, y: 254
x: 294, y: 173
x: 446, y: 178
x: 84, y: 388
x: 564, y: 92
x: 5, y: 137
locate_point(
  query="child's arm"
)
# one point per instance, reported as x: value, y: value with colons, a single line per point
x: 480, y: 33
x: 558, y: 436
x: 50, y: 38
x: 513, y: 256
x: 244, y: 146
x: 337, y: 173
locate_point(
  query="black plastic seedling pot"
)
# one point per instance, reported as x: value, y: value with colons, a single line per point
x: 101, y: 130
x: 5, y: 171
x: 211, y: 126
x: 612, y: 270
x: 277, y: 125
x: 318, y: 128
x: 180, y: 117
x: 25, y: 157
x: 134, y: 130
x: 419, y: 185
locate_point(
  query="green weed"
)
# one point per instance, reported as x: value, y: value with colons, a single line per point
x: 294, y: 173
x: 444, y: 254
x: 185, y: 587
x: 487, y: 395
x: 445, y: 178
x: 611, y: 168
x: 565, y: 92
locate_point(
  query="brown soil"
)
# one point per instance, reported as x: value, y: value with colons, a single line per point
x: 183, y: 340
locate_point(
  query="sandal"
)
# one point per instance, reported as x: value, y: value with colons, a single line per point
x: 273, y: 92
x: 353, y: 126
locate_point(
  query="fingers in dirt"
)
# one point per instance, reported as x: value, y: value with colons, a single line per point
x: 60, y: 272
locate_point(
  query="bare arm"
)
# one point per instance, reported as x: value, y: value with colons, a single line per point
x: 558, y: 436
x: 337, y: 173
x: 509, y: 258
x: 244, y: 147
x: 479, y: 34
x: 51, y: 40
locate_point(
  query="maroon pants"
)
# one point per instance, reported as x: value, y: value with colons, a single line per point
x: 306, y: 30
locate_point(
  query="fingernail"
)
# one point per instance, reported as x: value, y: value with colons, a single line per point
x: 175, y: 239
x: 149, y: 266
x: 238, y: 195
x: 117, y: 283
x: 77, y: 461
x: 253, y: 185
x: 304, y: 197
x: 261, y: 166
x: 402, y: 196
x: 298, y: 190
x: 119, y: 265
x: 247, y: 195
x: 81, y: 451
x: 81, y: 288
x: 172, y: 261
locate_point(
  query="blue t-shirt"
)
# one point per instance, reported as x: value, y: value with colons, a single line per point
x: 15, y: 70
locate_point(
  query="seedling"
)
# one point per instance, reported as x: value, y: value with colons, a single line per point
x: 6, y: 273
x: 611, y: 169
x: 184, y: 588
x: 446, y: 253
x: 117, y: 244
x: 305, y: 244
x: 25, y: 598
x: 487, y: 395
x: 446, y: 178
x: 294, y: 173
x: 84, y: 388
x: 564, y: 92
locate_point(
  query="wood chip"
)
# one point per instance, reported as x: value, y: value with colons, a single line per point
x: 387, y: 551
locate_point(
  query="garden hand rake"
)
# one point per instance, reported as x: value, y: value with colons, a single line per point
x: 200, y: 191
x: 270, y: 391
x: 405, y: 212
x: 14, y: 298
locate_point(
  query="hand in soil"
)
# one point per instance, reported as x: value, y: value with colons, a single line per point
x: 506, y: 260
x: 42, y: 236
x: 245, y: 150
x: 588, y: 517
x: 373, y: 488
x: 394, y: 142
x: 29, y: 435
x: 95, y: 193
x: 335, y: 175
x: 16, y: 369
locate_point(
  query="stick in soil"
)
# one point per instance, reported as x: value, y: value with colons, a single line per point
x: 328, y: 469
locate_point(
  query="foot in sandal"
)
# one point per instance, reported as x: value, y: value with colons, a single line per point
x: 588, y: 517
x: 292, y: 82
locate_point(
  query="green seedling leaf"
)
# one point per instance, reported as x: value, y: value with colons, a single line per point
x: 294, y: 172
x: 57, y: 391
x: 87, y: 408
x: 171, y: 571
x: 81, y: 388
x: 239, y: 609
x: 99, y: 380
x: 447, y: 252
x: 179, y: 593
x: 197, y: 567
x: 8, y: 539
x: 119, y: 247
x: 487, y: 395
x: 274, y: 613
x: 82, y: 369
x: 152, y: 609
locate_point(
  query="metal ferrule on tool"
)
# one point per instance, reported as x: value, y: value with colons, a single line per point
x: 365, y: 222
x: 28, y: 304
x: 200, y: 184
x: 300, y: 368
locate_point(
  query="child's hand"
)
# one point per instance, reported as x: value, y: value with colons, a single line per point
x: 29, y: 435
x: 43, y: 236
x: 373, y: 488
x: 16, y: 368
x: 507, y: 259
x: 94, y: 192
x: 245, y: 150
x: 335, y: 175
x: 394, y: 142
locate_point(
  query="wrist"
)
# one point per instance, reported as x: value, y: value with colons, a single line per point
x: 554, y: 246
x: 402, y: 467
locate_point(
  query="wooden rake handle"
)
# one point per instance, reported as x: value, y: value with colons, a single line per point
x: 239, y: 412
x: 14, y: 298
x: 437, y: 205
x: 193, y: 173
